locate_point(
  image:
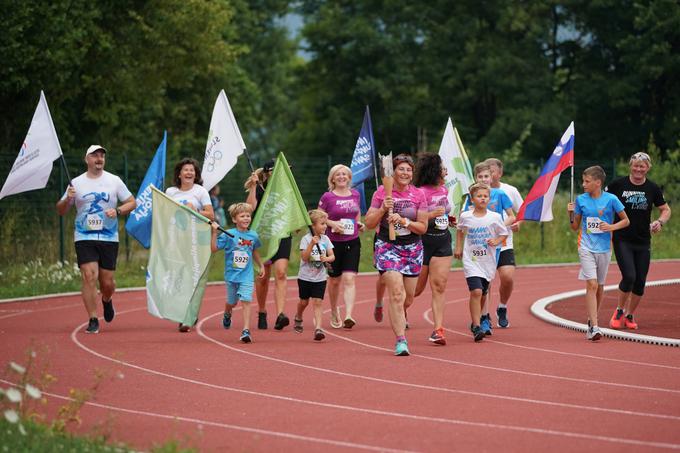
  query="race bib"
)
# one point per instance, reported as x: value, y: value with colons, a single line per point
x: 240, y: 260
x: 593, y: 225
x: 441, y: 222
x: 347, y: 226
x: 479, y: 253
x: 93, y: 222
x: 315, y: 253
x: 401, y: 230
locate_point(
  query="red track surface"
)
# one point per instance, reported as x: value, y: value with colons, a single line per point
x: 532, y: 386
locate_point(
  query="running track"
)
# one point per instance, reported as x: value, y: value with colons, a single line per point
x: 532, y: 386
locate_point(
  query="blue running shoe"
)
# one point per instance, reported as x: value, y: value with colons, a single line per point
x: 226, y: 320
x: 477, y: 333
x: 485, y: 324
x: 245, y: 336
x: 401, y: 348
x: 502, y: 314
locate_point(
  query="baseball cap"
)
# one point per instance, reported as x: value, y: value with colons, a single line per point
x: 94, y: 148
x: 269, y: 165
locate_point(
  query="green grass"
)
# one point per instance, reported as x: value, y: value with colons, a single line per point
x: 536, y: 243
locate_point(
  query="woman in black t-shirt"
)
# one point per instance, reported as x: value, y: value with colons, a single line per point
x: 632, y: 245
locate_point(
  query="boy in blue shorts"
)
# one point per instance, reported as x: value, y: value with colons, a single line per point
x: 239, y: 252
x: 593, y: 214
x: 500, y: 203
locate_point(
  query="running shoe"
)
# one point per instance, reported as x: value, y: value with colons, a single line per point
x: 245, y: 336
x: 401, y: 348
x: 502, y: 314
x: 297, y: 325
x: 485, y: 324
x: 262, y: 320
x: 378, y: 313
x: 437, y: 337
x: 281, y: 321
x: 477, y: 333
x: 319, y: 335
x: 630, y: 322
x: 594, y: 333
x: 109, y: 312
x: 183, y: 328
x: 92, y: 326
x: 618, y: 319
x: 226, y: 320
x: 336, y: 323
x: 349, y: 323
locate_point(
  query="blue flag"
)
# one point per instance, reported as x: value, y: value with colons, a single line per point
x: 139, y: 222
x: 363, y: 161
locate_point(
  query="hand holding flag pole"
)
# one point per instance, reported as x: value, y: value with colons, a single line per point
x: 388, y: 181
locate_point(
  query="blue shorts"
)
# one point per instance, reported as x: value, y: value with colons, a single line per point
x: 478, y: 283
x: 239, y: 291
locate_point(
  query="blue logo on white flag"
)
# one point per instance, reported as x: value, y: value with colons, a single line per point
x: 139, y: 222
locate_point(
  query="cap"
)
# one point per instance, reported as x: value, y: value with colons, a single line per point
x: 269, y: 165
x: 94, y: 148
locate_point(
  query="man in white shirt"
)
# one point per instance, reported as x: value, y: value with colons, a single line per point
x: 506, y: 259
x: 96, y: 194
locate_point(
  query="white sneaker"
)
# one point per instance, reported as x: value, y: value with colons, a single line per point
x: 336, y: 322
x: 594, y: 333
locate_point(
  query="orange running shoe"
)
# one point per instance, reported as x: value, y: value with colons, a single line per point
x: 438, y: 337
x: 630, y: 322
x: 618, y: 319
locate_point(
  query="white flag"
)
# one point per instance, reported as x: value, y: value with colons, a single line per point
x: 224, y: 143
x: 33, y: 165
x: 454, y: 158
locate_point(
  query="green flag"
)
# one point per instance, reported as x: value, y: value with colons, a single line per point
x: 178, y: 260
x: 281, y: 210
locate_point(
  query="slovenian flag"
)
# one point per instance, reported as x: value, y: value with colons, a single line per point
x: 538, y: 204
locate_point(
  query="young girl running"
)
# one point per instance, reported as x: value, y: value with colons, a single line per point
x: 315, y: 252
x: 483, y: 230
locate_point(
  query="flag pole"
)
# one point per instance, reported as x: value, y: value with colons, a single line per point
x: 571, y: 195
x: 63, y: 162
x: 252, y: 167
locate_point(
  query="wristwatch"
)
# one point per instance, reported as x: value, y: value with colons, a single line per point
x: 118, y: 211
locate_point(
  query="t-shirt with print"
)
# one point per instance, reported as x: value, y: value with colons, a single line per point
x: 238, y: 254
x: 637, y: 201
x: 197, y: 196
x: 314, y: 270
x: 592, y: 212
x: 407, y: 204
x: 437, y: 197
x: 479, y: 258
x: 344, y: 210
x: 516, y: 198
x: 94, y: 196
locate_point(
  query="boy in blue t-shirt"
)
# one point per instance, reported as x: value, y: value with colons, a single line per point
x: 593, y: 214
x: 239, y: 252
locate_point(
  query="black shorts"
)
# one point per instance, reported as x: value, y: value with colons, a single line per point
x: 347, y: 255
x: 308, y: 290
x: 284, y: 249
x: 478, y: 283
x: 103, y: 252
x: 506, y: 258
x: 436, y: 246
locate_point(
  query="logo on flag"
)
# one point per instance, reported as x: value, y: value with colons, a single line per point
x: 459, y: 172
x: 363, y: 161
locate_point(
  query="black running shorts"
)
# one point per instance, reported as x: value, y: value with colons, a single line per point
x: 103, y: 252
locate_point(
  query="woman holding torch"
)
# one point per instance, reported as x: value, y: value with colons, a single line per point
x: 401, y: 211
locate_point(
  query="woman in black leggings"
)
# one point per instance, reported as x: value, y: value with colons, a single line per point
x: 632, y: 245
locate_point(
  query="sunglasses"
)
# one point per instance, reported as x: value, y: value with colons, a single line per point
x: 641, y: 156
x: 403, y: 158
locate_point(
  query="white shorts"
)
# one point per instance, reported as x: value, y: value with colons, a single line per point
x: 594, y: 265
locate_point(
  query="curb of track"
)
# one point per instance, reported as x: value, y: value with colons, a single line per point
x: 539, y: 309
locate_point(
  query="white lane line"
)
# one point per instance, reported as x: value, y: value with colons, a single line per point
x: 230, y: 426
x: 618, y: 440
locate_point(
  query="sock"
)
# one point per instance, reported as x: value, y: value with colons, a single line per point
x: 401, y: 338
x: 502, y: 306
x: 629, y: 316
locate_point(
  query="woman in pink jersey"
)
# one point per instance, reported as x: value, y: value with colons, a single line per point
x: 430, y: 174
x: 342, y: 205
x: 399, y: 261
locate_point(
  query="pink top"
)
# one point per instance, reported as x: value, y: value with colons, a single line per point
x: 437, y: 197
x: 342, y: 209
x: 407, y: 204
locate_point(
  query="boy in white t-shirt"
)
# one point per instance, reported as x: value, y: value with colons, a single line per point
x: 315, y: 252
x: 483, y: 230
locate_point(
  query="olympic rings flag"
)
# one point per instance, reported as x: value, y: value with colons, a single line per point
x: 224, y: 145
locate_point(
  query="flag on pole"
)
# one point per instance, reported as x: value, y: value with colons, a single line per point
x: 363, y: 161
x: 224, y: 145
x: 538, y: 204
x: 139, y: 221
x: 33, y: 165
x: 178, y: 261
x: 281, y: 210
x: 459, y: 172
